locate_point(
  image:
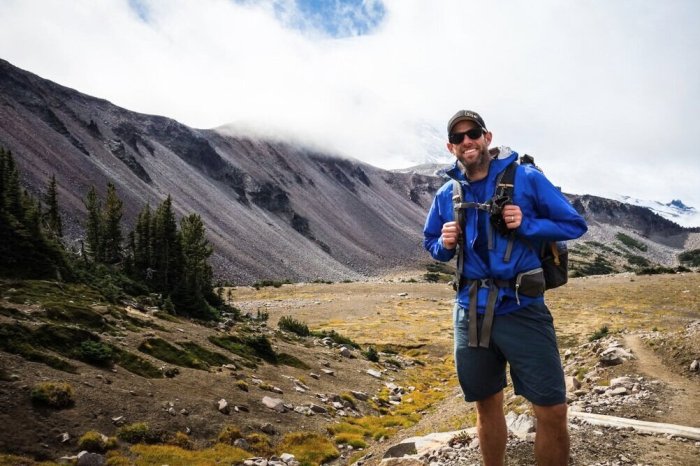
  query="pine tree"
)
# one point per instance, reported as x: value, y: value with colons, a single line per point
x: 196, y: 281
x: 165, y: 247
x: 141, y: 246
x: 111, y: 227
x: 52, y: 216
x: 93, y: 228
x: 12, y: 198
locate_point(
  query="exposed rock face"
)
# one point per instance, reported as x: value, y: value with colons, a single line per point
x: 272, y: 210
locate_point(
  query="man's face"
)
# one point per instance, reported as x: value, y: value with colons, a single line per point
x: 473, y: 153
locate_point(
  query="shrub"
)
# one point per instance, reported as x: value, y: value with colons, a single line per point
x: 432, y: 277
x: 336, y: 337
x: 690, y: 258
x: 96, y: 442
x: 292, y: 325
x: 600, y: 333
x: 631, y: 242
x: 371, y: 354
x: 53, y: 394
x: 229, y: 434
x: 95, y: 352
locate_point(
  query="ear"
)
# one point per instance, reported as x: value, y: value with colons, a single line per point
x: 449, y: 147
x: 488, y: 135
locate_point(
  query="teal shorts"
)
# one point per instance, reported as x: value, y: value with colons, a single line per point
x: 524, y: 339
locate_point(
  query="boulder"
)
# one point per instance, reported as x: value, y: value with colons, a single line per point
x: 274, y: 403
x: 223, y: 406
x: 90, y: 459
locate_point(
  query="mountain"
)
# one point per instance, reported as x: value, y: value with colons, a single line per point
x: 272, y: 210
x: 676, y: 210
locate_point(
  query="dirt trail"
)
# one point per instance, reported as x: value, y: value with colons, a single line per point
x: 684, y: 405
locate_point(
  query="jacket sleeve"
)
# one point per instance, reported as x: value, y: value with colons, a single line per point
x: 547, y: 213
x: 432, y: 231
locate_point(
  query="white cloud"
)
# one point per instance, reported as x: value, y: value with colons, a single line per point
x: 604, y: 94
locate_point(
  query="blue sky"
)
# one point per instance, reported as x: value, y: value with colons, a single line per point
x: 605, y: 94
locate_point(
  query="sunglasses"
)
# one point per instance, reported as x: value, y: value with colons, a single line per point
x: 473, y: 134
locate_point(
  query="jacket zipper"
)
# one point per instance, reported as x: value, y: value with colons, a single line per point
x: 519, y: 277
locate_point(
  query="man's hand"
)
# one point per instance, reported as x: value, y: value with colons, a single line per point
x: 512, y: 215
x: 450, y: 234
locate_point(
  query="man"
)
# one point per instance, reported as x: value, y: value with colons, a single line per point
x: 508, y: 323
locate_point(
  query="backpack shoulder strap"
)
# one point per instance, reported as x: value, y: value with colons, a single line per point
x: 458, y: 209
x: 505, y: 186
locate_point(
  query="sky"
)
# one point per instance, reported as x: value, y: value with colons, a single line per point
x: 605, y: 94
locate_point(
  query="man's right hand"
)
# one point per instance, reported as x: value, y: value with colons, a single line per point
x: 450, y: 234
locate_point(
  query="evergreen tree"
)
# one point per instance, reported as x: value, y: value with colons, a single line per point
x: 93, y: 228
x: 12, y: 195
x: 52, y: 216
x: 24, y: 250
x: 196, y: 281
x: 141, y: 246
x: 111, y: 227
x: 165, y: 247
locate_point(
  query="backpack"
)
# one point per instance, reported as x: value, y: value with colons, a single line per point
x: 553, y: 255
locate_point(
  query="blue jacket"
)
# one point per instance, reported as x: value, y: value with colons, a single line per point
x: 547, y: 216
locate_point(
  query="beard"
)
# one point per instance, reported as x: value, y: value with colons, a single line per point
x: 479, y: 163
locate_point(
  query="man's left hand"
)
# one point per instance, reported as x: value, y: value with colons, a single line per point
x: 513, y: 216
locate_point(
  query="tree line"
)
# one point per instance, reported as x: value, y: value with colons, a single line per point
x: 157, y: 257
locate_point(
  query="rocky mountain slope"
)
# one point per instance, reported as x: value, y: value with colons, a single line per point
x: 272, y: 210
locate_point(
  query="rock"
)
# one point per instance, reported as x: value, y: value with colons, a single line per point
x: 328, y: 371
x: 314, y: 376
x: 318, y: 409
x: 223, y: 406
x: 64, y: 437
x: 345, y: 352
x: 287, y: 457
x: 520, y: 425
x: 614, y: 356
x: 241, y: 443
x: 403, y: 295
x: 402, y: 449
x: 374, y: 373
x: 277, y: 390
x: 572, y: 384
x: 695, y: 365
x: 621, y: 381
x: 274, y: 403
x: 268, y: 429
x: 362, y: 396
x: 618, y: 391
x: 119, y: 420
x: 90, y: 459
x: 406, y: 461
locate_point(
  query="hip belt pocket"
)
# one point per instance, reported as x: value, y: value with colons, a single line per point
x: 530, y: 283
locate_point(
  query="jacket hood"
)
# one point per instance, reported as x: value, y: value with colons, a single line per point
x: 502, y: 157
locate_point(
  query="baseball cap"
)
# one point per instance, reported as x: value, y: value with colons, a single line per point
x: 465, y: 115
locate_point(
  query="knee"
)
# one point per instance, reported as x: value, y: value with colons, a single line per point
x: 553, y: 415
x: 491, y: 405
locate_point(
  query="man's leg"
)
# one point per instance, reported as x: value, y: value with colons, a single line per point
x: 552, y: 438
x: 491, y: 427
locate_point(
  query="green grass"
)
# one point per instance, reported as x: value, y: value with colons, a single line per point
x: 161, y: 349
x: 17, y: 339
x: 212, y: 358
x: 690, y: 258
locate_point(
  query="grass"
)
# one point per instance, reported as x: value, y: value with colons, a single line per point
x: 95, y: 442
x: 176, y: 456
x: 18, y: 339
x: 308, y: 447
x: 161, y: 349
